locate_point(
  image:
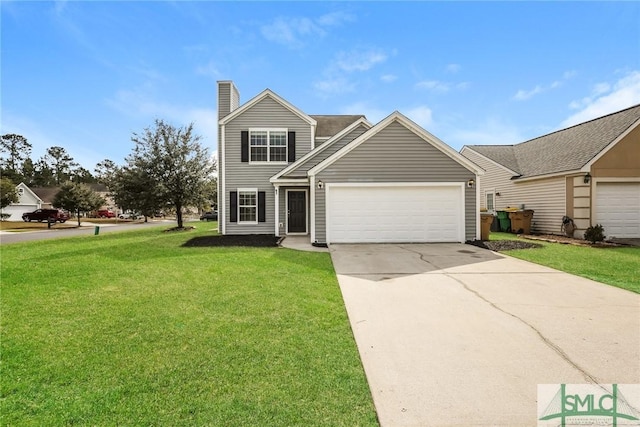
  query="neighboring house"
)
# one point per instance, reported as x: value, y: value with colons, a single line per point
x: 28, y: 201
x: 589, y: 172
x: 46, y: 194
x: 338, y: 178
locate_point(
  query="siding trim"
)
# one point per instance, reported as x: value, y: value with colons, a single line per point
x: 411, y: 126
x: 221, y: 201
x: 547, y: 176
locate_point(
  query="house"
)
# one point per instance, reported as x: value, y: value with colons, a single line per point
x: 338, y: 178
x: 28, y: 201
x: 589, y: 172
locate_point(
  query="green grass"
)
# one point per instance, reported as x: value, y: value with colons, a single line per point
x: 133, y: 329
x: 617, y: 266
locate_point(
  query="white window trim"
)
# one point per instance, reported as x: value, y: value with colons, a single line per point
x: 487, y: 192
x: 268, y: 146
x: 247, y: 190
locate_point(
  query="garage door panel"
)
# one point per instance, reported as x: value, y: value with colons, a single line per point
x: 617, y: 207
x: 394, y: 214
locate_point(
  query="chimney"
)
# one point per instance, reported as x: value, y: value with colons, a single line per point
x: 228, y: 98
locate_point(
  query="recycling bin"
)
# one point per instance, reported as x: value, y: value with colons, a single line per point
x: 521, y: 221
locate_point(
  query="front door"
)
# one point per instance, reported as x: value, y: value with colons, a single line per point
x: 296, y: 211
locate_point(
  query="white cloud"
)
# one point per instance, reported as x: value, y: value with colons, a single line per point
x: 290, y: 31
x: 357, y: 60
x: 333, y: 86
x: 453, y: 68
x: 422, y: 115
x: 388, y: 78
x: 335, y: 18
x: 524, y: 94
x: 440, y: 86
x: 434, y: 85
x: 293, y: 31
x: 209, y: 70
x: 605, y: 99
x: 344, y: 64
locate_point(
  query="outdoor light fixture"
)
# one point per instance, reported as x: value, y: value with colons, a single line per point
x: 320, y: 184
x: 587, y: 178
x: 470, y: 183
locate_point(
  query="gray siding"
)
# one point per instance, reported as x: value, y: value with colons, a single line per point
x: 326, y: 151
x: 396, y: 154
x: 265, y: 114
x: 224, y: 99
x: 547, y: 197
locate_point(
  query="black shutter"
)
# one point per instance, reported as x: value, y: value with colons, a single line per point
x: 291, y: 149
x: 244, y: 146
x: 262, y: 209
x: 233, y: 206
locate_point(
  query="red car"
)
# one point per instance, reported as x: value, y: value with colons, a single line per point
x: 105, y: 213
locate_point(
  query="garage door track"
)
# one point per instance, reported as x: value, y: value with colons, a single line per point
x: 451, y: 334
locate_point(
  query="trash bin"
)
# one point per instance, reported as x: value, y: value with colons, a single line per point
x: 96, y: 230
x: 521, y: 221
x: 505, y: 222
x: 486, y: 220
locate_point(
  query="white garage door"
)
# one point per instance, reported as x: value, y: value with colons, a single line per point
x: 16, y: 211
x: 618, y: 208
x: 390, y: 213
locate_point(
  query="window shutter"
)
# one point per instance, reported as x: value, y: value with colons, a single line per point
x: 262, y: 210
x: 291, y: 149
x: 244, y: 146
x: 233, y: 206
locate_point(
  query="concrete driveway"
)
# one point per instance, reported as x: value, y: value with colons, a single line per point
x: 454, y: 335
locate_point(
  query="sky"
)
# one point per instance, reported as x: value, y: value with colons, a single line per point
x: 86, y: 75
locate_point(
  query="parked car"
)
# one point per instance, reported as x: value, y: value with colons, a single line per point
x: 53, y: 215
x: 105, y: 213
x: 209, y: 216
x: 128, y: 215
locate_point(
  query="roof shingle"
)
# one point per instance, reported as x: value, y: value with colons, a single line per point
x: 564, y: 150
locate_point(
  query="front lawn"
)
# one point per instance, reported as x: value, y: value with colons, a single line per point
x: 133, y: 329
x: 617, y: 266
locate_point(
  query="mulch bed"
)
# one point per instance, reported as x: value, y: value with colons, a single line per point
x: 503, y: 245
x: 553, y: 238
x: 250, y: 240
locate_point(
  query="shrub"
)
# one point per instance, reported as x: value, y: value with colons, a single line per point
x: 594, y: 233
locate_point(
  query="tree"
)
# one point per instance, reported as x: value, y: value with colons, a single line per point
x: 77, y: 198
x: 105, y: 171
x: 8, y: 193
x: 176, y: 161
x: 135, y: 189
x: 17, y: 149
x: 28, y: 171
x: 60, y: 163
x: 83, y: 175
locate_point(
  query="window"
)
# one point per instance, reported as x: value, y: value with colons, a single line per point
x: 489, y: 199
x: 247, y: 206
x: 268, y: 145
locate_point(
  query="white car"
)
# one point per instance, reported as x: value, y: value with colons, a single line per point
x: 128, y: 215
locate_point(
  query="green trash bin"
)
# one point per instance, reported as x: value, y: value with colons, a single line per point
x: 505, y: 222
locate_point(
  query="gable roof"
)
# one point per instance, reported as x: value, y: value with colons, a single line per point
x: 330, y: 125
x: 26, y: 187
x: 46, y: 194
x: 319, y: 149
x: 267, y: 93
x: 565, y: 150
x: 396, y: 116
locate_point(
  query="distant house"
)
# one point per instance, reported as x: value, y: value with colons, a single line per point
x: 34, y: 198
x: 28, y: 201
x: 338, y: 179
x: 589, y: 172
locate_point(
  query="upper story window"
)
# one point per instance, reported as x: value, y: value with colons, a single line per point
x: 268, y: 145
